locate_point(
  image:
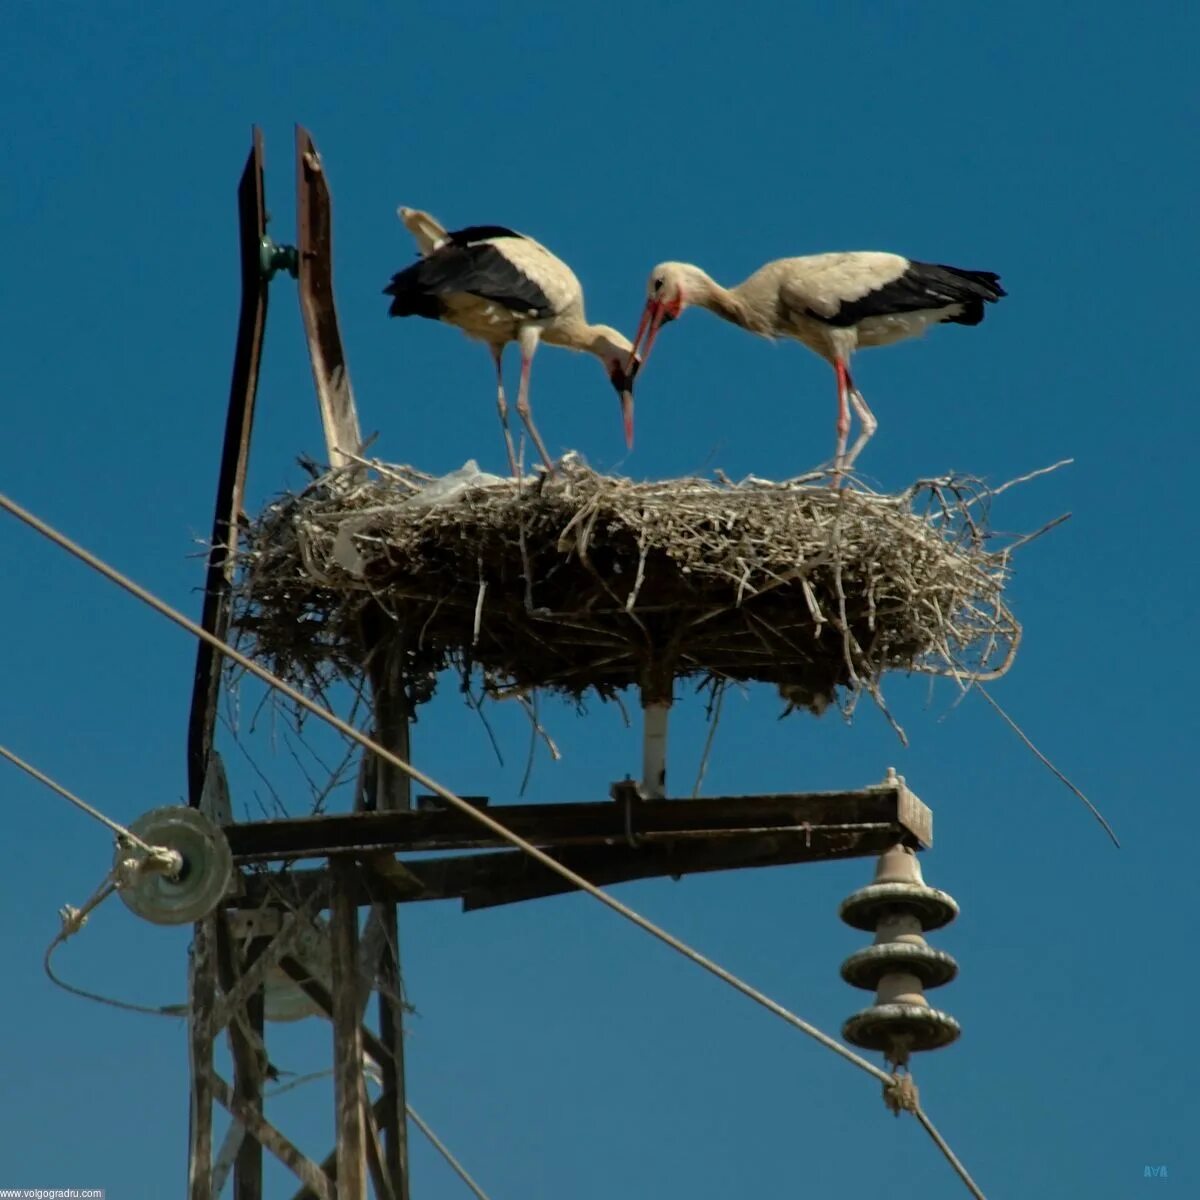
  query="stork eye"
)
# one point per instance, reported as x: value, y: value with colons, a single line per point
x: 658, y: 285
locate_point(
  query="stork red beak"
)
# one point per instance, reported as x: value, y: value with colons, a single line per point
x: 627, y: 416
x: 654, y: 316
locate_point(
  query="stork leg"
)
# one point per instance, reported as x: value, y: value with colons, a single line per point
x: 528, y: 341
x: 866, y: 419
x: 843, y: 420
x: 502, y: 406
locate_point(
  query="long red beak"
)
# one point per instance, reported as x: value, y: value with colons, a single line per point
x: 648, y: 327
x: 627, y: 416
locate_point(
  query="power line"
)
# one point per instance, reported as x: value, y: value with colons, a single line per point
x: 951, y: 1157
x: 372, y: 1071
x: 442, y: 1149
x: 73, y: 920
x: 119, y: 830
x: 476, y: 814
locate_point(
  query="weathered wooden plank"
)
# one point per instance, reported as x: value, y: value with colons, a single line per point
x: 246, y: 1046
x: 314, y: 235
x: 383, y: 1114
x: 564, y: 824
x: 391, y: 1033
x: 503, y: 876
x: 323, y: 999
x: 316, y: 1181
x: 914, y: 816
x: 393, y: 793
x: 267, y: 955
x: 231, y: 478
x: 202, y: 990
x: 375, y: 1153
x: 231, y: 1147
x: 524, y: 879
x: 347, y: 1037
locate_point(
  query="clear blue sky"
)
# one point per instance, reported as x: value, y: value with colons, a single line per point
x: 558, y: 1051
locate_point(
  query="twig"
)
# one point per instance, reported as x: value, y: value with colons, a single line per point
x: 1037, y: 533
x: 718, y: 699
x: 1062, y: 462
x: 536, y: 730
x: 1048, y: 764
x: 477, y: 705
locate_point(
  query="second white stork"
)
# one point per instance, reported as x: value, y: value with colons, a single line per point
x: 834, y: 304
x: 499, y: 286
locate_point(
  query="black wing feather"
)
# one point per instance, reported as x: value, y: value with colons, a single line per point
x: 477, y: 268
x: 480, y: 233
x: 924, y: 286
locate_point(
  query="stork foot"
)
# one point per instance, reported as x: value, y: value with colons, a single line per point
x: 867, y: 423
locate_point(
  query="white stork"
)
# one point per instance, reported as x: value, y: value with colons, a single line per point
x: 499, y: 286
x: 833, y: 303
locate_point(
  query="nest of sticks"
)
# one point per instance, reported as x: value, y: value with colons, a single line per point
x: 590, y: 583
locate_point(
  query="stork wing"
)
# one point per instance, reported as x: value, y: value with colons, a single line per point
x: 827, y: 286
x: 482, y: 269
x: 843, y: 289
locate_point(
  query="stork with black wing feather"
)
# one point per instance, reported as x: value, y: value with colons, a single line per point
x: 499, y: 286
x: 834, y: 304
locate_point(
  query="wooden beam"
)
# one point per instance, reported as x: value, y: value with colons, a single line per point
x: 520, y: 878
x: 392, y: 793
x: 258, y: 1127
x: 347, y: 1038
x: 375, y: 1154
x: 235, y: 455
x: 202, y: 990
x: 504, y: 876
x: 556, y: 825
x: 314, y: 235
x: 383, y: 1114
x: 247, y: 1049
x: 391, y: 1033
x: 269, y: 954
x: 324, y: 1000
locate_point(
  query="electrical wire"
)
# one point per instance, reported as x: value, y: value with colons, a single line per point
x: 119, y: 830
x: 372, y: 1072
x: 442, y: 1149
x: 476, y: 814
x: 73, y: 920
x: 951, y: 1157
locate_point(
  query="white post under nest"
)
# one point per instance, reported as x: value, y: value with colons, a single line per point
x: 654, y: 749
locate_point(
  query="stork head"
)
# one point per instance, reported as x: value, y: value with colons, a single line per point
x: 671, y: 288
x: 621, y: 364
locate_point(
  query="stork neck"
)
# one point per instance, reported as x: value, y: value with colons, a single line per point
x: 706, y: 292
x: 575, y: 333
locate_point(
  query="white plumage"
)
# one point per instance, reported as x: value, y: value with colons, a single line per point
x: 499, y: 286
x: 834, y: 304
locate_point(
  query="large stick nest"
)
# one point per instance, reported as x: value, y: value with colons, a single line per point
x: 588, y: 582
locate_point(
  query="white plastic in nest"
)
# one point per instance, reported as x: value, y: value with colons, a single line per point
x: 345, y: 552
x: 438, y: 492
x: 448, y: 488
